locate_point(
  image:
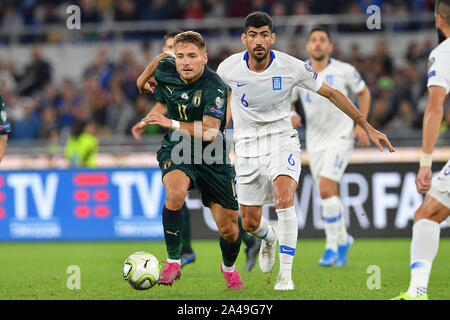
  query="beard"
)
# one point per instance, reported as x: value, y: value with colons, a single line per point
x: 441, y: 36
x: 259, y: 58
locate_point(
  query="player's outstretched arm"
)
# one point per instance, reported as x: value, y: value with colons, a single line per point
x: 431, y: 125
x: 346, y: 106
x: 229, y: 116
x: 207, y: 130
x: 364, y: 107
x: 145, y: 82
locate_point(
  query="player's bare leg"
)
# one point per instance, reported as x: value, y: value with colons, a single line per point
x: 254, y: 223
x: 230, y: 243
x: 287, y: 230
x: 176, y: 184
x: 338, y: 242
x: 424, y: 246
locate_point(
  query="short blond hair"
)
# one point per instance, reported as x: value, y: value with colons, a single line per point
x: 190, y: 37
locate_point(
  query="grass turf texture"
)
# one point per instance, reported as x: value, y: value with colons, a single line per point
x: 38, y: 271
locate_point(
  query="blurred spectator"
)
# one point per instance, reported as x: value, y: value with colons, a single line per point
x: 143, y: 107
x: 96, y: 100
x: 101, y: 68
x: 48, y: 123
x: 89, y: 11
x: 36, y: 74
x: 119, y: 113
x: 126, y: 10
x: 406, y: 117
x: 25, y: 121
x: 194, y: 10
x: 379, y: 114
x: 68, y: 105
x: 81, y: 148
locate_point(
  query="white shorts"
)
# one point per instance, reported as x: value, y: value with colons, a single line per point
x: 440, y: 188
x: 255, y: 175
x: 329, y: 163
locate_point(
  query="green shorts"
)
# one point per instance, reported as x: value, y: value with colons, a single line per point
x: 216, y: 182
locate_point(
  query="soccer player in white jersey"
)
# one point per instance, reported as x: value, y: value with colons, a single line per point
x: 329, y: 138
x: 266, y: 145
x: 436, y: 205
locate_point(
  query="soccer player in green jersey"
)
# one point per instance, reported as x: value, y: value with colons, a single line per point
x: 193, y: 152
x: 5, y: 128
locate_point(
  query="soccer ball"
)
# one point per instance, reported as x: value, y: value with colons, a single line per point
x: 141, y: 270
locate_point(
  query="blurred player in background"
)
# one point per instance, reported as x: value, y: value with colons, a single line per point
x: 330, y: 138
x: 146, y: 83
x: 436, y: 205
x: 267, y: 147
x: 5, y: 128
x: 194, y: 99
x: 81, y: 148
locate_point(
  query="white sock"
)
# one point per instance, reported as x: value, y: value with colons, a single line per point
x: 228, y: 269
x: 287, y: 233
x: 424, y: 247
x: 334, y: 225
x: 264, y: 231
x: 174, y: 261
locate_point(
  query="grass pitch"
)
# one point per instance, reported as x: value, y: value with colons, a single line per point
x: 39, y: 271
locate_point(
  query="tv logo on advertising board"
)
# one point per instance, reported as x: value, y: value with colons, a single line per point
x: 80, y: 204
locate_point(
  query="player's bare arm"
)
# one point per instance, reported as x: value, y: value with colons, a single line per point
x: 229, y: 117
x: 3, y: 145
x: 364, y: 107
x: 206, y: 130
x: 139, y: 128
x: 431, y: 124
x: 145, y: 82
x: 346, y: 106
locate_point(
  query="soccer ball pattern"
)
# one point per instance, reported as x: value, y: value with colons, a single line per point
x: 141, y: 270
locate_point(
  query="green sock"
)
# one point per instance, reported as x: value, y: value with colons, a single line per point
x: 173, y: 230
x: 186, y: 239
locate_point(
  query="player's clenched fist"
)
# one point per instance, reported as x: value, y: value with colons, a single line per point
x: 423, y: 179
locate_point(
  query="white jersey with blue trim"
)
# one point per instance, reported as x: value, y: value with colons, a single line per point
x: 261, y: 101
x: 439, y: 66
x: 326, y: 125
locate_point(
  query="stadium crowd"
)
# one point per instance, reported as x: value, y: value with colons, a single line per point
x: 107, y: 94
x: 14, y: 13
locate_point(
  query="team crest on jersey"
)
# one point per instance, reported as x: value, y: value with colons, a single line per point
x: 219, y: 102
x: 276, y: 83
x: 166, y: 164
x: 196, y: 100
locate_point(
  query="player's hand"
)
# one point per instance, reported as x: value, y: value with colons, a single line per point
x: 158, y: 118
x: 423, y: 179
x: 296, y: 121
x: 146, y: 86
x: 361, y: 136
x: 377, y: 137
x: 138, y: 129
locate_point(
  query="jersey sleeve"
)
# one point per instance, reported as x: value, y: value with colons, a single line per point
x: 438, y: 74
x: 307, y: 77
x: 355, y: 83
x: 158, y: 93
x: 296, y: 94
x: 222, y: 74
x: 216, y: 101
